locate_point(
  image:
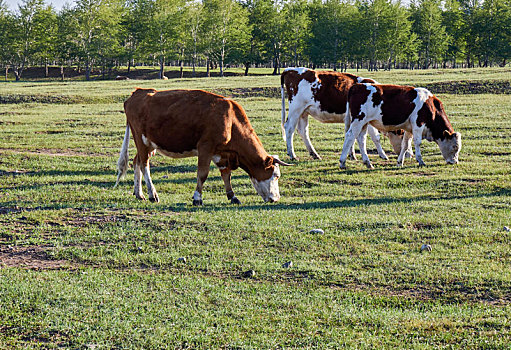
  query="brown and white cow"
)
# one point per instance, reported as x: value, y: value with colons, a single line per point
x: 186, y: 123
x: 392, y: 107
x: 321, y: 94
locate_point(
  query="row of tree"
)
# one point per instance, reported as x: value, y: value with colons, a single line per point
x: 374, y: 34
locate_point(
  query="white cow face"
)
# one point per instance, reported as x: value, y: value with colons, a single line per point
x: 269, y: 189
x: 450, y: 146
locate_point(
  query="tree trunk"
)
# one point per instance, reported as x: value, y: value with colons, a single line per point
x: 87, y: 70
x: 208, y: 73
x: 6, y: 72
x: 162, y: 64
x: 46, y: 68
x: 247, y: 66
x: 129, y: 66
x: 62, y: 72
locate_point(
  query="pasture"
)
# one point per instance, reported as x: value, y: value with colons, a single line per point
x: 87, y: 266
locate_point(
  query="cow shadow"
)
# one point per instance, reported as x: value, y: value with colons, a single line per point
x: 343, y: 203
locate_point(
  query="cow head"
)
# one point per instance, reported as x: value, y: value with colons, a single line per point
x: 450, y: 146
x: 269, y: 189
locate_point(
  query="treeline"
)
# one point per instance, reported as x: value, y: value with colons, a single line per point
x: 372, y: 34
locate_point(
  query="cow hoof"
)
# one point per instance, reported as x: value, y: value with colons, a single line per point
x: 142, y: 198
x: 352, y: 156
x: 294, y: 158
x: 368, y: 165
x: 384, y: 157
x: 342, y: 165
x: 400, y: 164
x: 315, y: 156
x: 421, y: 164
x: 235, y: 200
x: 197, y: 202
x: 154, y: 199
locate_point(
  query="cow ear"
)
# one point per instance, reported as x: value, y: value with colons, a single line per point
x: 448, y: 134
x: 268, y: 162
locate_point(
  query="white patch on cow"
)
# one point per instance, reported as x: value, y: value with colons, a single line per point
x: 360, y: 79
x: 450, y: 148
x: 192, y: 153
x: 216, y: 158
x: 299, y: 70
x: 268, y: 189
x: 149, y: 143
x: 145, y: 140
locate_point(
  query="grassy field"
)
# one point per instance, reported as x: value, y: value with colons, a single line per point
x: 87, y: 266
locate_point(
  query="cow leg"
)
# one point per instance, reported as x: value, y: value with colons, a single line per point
x: 137, y: 192
x: 153, y: 196
x: 352, y: 151
x: 290, y: 126
x: 405, y: 145
x: 226, y: 176
x: 303, y: 131
x: 202, y: 175
x: 417, y: 138
x: 375, y: 136
x: 353, y: 132
x: 362, y: 138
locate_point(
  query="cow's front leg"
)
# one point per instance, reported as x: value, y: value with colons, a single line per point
x: 303, y: 130
x: 226, y: 176
x: 137, y: 190
x: 362, y: 137
x: 349, y: 139
x: 417, y: 139
x: 153, y: 196
x: 406, y: 144
x: 202, y: 175
x: 375, y: 136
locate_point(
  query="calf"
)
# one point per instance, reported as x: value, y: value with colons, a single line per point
x: 186, y: 123
x: 392, y: 107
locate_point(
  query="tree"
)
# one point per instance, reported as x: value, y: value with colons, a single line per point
x: 95, y: 25
x: 227, y: 31
x: 455, y: 25
x: 29, y: 34
x: 6, y: 36
x: 427, y: 24
x: 296, y: 28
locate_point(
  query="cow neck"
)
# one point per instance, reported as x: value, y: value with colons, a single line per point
x: 433, y: 115
x: 251, y: 155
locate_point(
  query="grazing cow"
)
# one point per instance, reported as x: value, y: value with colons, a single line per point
x: 186, y: 123
x: 392, y: 107
x: 321, y: 94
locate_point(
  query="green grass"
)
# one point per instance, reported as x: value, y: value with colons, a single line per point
x: 89, y: 266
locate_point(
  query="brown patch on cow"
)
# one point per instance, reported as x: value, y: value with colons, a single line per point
x: 32, y: 257
x: 397, y: 103
x: 432, y: 114
x: 357, y: 96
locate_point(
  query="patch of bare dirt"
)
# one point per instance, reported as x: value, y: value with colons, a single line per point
x: 53, y: 152
x: 32, y: 257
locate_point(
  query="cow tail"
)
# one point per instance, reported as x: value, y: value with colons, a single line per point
x: 122, y: 163
x: 347, y: 117
x: 283, y: 120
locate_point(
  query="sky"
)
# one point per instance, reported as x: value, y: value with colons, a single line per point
x: 13, y: 4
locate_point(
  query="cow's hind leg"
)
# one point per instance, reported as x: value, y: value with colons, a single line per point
x: 153, y: 196
x: 290, y: 126
x: 137, y: 191
x: 303, y: 130
x: 362, y: 138
x: 354, y: 130
x: 375, y: 136
x: 204, y: 160
x: 405, y: 145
